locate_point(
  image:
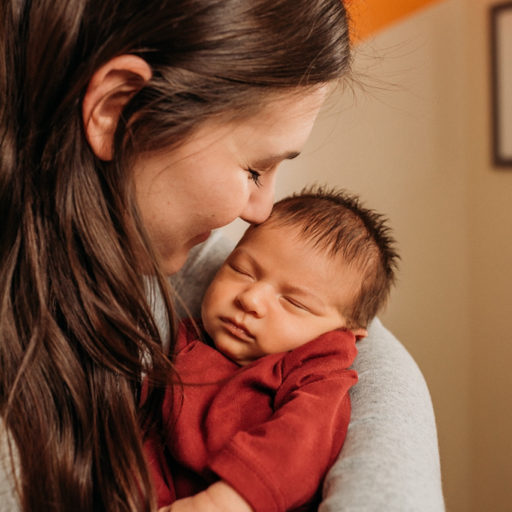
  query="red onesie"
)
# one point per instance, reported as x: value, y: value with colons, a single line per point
x: 270, y: 429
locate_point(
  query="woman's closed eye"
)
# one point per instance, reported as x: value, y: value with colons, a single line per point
x: 255, y: 177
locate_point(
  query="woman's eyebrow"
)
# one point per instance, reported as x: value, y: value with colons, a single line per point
x: 272, y: 160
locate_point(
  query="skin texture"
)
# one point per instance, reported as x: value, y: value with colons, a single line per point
x: 275, y: 293
x: 222, y: 172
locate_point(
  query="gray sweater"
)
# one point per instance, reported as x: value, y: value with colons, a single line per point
x: 390, y: 459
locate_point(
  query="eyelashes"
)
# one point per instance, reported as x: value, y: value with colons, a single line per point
x: 255, y: 177
x: 238, y: 270
x: 296, y: 304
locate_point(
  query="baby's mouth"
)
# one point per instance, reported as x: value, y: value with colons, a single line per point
x: 238, y: 329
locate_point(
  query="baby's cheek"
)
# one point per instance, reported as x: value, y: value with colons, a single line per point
x: 210, y: 308
x: 205, y: 317
x: 296, y: 336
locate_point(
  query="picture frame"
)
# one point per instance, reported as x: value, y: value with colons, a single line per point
x: 501, y: 83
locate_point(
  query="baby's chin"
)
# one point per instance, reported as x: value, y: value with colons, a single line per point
x: 236, y: 359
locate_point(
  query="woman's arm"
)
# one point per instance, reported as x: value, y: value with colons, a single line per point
x: 390, y: 460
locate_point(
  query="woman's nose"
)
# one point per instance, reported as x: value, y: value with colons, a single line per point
x: 254, y: 299
x: 260, y: 202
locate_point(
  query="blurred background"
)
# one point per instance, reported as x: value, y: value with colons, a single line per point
x: 415, y: 142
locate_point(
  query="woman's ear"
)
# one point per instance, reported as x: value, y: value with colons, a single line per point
x: 110, y: 88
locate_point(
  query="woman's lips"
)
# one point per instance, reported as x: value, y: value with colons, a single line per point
x: 238, y: 330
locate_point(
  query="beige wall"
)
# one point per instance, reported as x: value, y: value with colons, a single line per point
x: 490, y: 216
x: 415, y: 145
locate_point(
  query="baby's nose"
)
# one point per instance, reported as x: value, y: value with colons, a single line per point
x: 254, y: 299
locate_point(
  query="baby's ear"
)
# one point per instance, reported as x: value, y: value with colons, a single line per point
x: 360, y: 333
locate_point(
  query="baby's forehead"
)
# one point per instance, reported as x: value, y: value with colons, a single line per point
x: 279, y: 231
x: 265, y: 236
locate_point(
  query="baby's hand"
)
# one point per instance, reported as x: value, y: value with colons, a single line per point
x: 219, y: 497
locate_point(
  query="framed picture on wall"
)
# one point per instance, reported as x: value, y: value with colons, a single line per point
x: 501, y: 66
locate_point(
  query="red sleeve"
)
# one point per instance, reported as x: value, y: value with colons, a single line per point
x: 280, y: 464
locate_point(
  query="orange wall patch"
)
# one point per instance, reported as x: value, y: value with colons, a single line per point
x: 369, y: 16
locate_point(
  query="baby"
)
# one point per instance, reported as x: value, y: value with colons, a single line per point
x: 264, y: 408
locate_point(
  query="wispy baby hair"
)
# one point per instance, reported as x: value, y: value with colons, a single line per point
x: 336, y: 221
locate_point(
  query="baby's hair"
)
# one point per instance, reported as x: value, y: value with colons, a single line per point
x: 335, y: 221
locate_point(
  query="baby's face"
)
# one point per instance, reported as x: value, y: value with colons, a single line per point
x: 273, y: 294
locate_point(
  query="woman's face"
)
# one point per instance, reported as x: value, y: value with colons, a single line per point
x: 223, y: 171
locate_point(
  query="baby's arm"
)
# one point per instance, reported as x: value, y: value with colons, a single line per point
x: 219, y: 497
x: 279, y: 464
x: 276, y: 453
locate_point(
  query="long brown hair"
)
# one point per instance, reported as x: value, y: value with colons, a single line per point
x: 76, y: 330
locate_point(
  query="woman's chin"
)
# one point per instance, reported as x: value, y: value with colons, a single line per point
x: 175, y: 263
x: 178, y: 258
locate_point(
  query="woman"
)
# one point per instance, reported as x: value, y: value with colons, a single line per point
x: 129, y: 130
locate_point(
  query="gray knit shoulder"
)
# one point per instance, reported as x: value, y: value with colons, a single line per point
x: 390, y: 459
